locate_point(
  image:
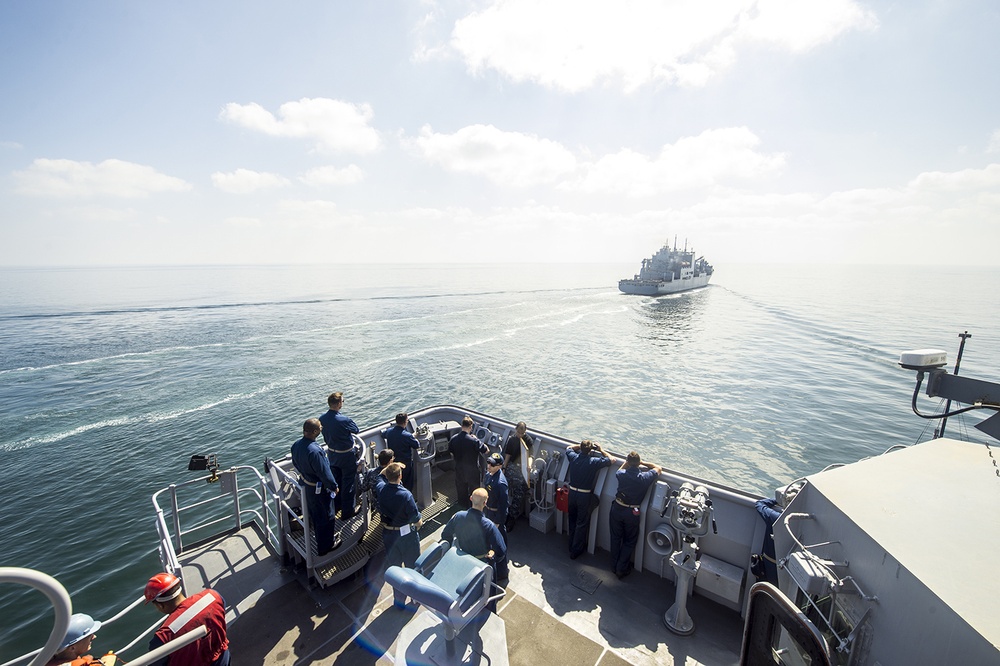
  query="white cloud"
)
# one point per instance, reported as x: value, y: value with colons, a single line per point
x: 994, y: 144
x: 520, y: 160
x: 958, y: 181
x: 507, y: 158
x: 337, y: 126
x: 117, y: 178
x: 10, y: 145
x: 245, y: 181
x: 799, y: 26
x: 243, y: 222
x: 692, y: 162
x: 576, y: 44
x: 330, y: 175
x: 314, y: 214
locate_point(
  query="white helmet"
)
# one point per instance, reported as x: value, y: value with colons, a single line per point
x: 81, y: 625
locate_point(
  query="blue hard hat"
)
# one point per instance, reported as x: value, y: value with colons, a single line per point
x: 81, y: 625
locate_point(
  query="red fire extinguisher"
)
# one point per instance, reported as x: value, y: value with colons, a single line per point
x: 562, y: 499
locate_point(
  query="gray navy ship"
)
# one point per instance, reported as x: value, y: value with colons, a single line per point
x: 669, y: 271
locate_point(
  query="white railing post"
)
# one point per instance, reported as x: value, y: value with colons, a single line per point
x: 179, y: 546
x: 236, y: 498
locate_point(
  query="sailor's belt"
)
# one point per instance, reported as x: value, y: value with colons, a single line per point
x: 309, y: 483
x: 395, y: 528
x: 768, y: 558
x: 580, y: 490
x: 627, y: 506
x: 490, y: 508
x: 343, y: 451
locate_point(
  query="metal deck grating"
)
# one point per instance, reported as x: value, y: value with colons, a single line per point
x: 328, y: 573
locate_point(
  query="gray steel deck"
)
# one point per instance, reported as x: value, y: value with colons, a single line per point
x: 557, y: 611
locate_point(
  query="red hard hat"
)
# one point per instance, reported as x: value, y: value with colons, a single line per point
x: 160, y: 584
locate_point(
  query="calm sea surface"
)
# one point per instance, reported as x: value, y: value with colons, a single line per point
x: 111, y: 378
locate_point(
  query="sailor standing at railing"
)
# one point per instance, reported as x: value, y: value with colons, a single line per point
x: 583, y: 470
x: 770, y: 510
x: 467, y: 451
x: 403, y: 444
x: 338, y: 432
x: 497, y: 504
x: 400, y: 522
x: 623, y: 519
x: 314, y: 469
x: 184, y: 614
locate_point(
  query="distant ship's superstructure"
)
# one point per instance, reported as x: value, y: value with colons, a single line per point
x: 669, y: 271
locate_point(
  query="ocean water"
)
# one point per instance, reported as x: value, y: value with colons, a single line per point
x: 110, y: 378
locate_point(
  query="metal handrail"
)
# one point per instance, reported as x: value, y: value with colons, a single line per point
x: 56, y: 595
x: 172, y: 541
x: 63, y: 606
x: 268, y: 517
x: 290, y: 513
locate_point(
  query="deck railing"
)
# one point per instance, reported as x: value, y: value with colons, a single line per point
x: 209, y: 506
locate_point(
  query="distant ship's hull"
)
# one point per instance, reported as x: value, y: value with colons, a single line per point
x: 659, y: 288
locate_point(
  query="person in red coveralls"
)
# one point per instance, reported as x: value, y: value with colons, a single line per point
x: 185, y: 614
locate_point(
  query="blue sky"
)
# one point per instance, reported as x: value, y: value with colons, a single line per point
x: 250, y: 132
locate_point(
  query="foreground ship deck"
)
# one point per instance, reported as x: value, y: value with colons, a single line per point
x: 556, y: 611
x: 877, y: 562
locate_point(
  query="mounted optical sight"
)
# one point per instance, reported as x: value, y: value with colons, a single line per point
x: 199, y: 463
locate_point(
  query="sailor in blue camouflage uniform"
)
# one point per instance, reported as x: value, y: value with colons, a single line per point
x: 583, y: 470
x: 400, y: 522
x: 374, y: 479
x: 477, y: 535
x: 338, y: 431
x: 403, y: 444
x: 623, y: 518
x: 497, y: 505
x: 314, y: 469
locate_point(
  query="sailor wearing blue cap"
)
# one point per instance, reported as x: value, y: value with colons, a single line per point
x: 81, y: 633
x: 497, y: 505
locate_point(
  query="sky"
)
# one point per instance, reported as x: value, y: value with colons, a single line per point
x: 793, y: 131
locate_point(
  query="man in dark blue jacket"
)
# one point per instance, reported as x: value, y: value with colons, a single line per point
x: 400, y: 522
x: 321, y: 486
x: 770, y: 510
x: 467, y: 452
x: 623, y: 518
x: 478, y: 536
x: 403, y: 444
x: 497, y: 504
x: 583, y: 469
x: 338, y: 432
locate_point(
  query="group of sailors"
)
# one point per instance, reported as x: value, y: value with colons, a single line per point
x: 586, y: 460
x: 479, y: 530
x: 491, y: 500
